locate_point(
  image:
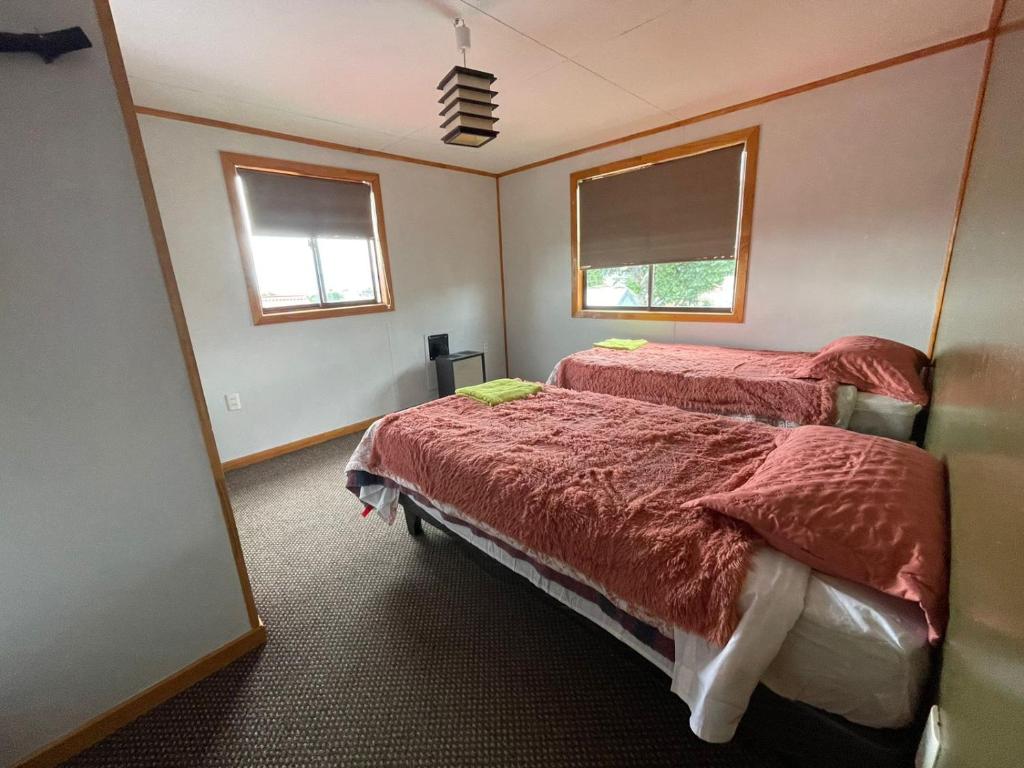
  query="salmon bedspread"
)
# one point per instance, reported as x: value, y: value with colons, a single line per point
x: 662, y: 508
x: 731, y: 382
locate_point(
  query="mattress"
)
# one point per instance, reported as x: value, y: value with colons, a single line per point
x: 852, y: 651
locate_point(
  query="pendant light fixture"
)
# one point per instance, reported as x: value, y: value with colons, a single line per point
x: 467, y: 100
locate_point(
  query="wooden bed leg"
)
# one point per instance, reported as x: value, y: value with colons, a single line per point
x: 413, y: 524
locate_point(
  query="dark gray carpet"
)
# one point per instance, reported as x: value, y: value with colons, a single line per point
x: 390, y: 651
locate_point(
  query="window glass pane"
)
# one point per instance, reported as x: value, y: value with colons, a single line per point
x: 693, y: 284
x: 617, y: 287
x: 285, y: 271
x: 349, y: 269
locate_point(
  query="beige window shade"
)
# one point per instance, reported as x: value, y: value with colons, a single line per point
x: 678, y: 210
x: 283, y: 204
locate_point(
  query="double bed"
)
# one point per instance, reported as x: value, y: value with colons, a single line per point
x: 596, y: 500
x: 862, y: 383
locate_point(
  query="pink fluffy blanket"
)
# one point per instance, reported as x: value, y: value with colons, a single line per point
x: 735, y: 382
x: 634, y: 495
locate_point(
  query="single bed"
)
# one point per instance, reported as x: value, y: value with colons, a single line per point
x: 841, y: 647
x: 862, y: 383
x: 806, y: 736
x: 853, y: 651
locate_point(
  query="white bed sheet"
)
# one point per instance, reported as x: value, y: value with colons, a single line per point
x: 824, y: 641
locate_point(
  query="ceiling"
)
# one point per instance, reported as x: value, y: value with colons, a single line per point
x: 570, y: 72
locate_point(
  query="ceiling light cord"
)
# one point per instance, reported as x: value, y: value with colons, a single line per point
x: 461, y: 38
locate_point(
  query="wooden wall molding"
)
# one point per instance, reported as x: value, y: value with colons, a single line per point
x: 920, y: 53
x: 996, y: 14
x: 297, y: 445
x: 979, y: 102
x: 251, y: 129
x: 103, y: 725
x: 501, y: 273
x: 146, y: 189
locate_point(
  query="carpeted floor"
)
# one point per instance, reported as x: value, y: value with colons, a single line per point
x: 385, y: 650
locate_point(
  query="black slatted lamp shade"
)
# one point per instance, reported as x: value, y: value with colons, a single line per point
x: 468, y: 107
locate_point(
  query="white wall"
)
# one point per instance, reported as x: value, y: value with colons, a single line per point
x: 115, y: 566
x: 300, y: 379
x: 856, y: 187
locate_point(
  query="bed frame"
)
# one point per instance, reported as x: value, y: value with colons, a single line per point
x: 803, y: 735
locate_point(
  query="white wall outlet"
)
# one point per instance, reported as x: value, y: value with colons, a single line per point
x: 234, y: 401
x: 931, y: 741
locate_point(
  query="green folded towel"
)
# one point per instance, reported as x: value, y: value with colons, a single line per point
x: 627, y: 344
x: 500, y: 390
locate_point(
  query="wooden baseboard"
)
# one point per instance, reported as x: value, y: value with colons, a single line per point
x: 296, y: 445
x: 72, y: 743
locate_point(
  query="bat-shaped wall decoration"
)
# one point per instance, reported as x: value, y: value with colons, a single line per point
x: 49, y: 45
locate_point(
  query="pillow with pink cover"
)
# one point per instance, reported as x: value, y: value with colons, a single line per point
x: 867, y: 509
x: 871, y: 364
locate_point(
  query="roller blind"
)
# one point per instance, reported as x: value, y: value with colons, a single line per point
x: 678, y: 210
x: 281, y: 204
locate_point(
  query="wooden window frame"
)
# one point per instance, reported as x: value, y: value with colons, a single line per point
x: 231, y: 162
x: 747, y: 137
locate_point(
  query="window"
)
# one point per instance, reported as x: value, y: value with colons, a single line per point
x: 665, y: 236
x: 311, y: 237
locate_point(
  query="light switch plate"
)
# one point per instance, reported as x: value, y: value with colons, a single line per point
x: 234, y: 401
